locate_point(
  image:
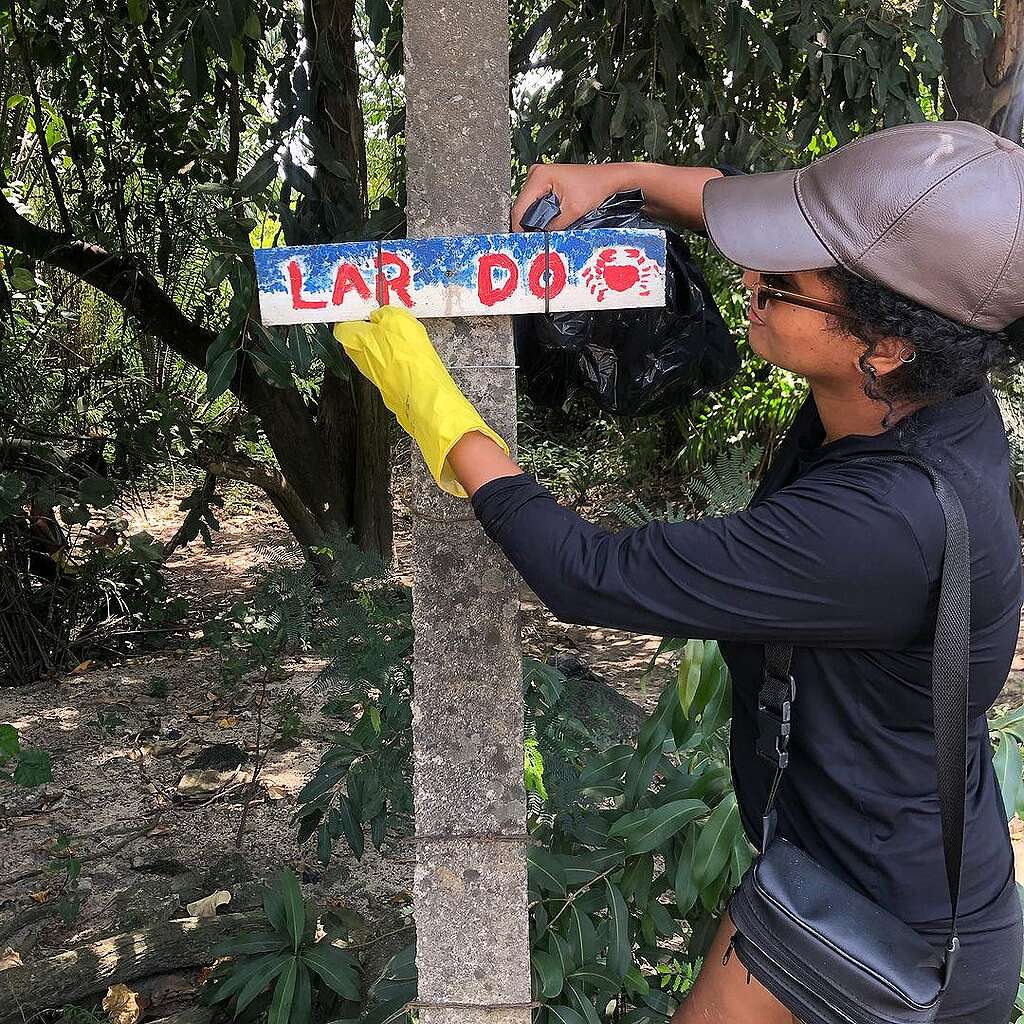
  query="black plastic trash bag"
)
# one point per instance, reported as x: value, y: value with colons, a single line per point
x: 634, y: 362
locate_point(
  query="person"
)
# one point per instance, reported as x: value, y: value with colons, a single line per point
x: 888, y: 275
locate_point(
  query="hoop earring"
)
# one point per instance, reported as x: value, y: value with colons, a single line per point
x: 913, y: 356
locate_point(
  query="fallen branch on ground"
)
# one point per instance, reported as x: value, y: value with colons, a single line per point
x: 91, y: 968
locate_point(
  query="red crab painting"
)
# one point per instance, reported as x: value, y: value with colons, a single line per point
x: 619, y: 269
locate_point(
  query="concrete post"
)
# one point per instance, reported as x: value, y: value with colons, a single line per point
x: 470, y: 893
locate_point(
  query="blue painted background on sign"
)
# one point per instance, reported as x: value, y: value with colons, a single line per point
x: 447, y: 261
x: 319, y: 264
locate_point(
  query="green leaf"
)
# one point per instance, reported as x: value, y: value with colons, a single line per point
x: 284, y: 991
x: 686, y: 888
x: 582, y: 935
x: 617, y: 127
x: 350, y: 827
x: 273, y: 964
x: 330, y: 352
x: 740, y: 857
x: 294, y: 907
x: 635, y: 883
x: 273, y: 907
x: 261, y: 942
x: 273, y: 364
x: 23, y: 280
x: 559, y: 951
x: 606, y: 766
x: 96, y: 491
x: 244, y: 972
x: 620, y: 951
x: 639, y: 774
x: 336, y: 968
x: 579, y: 874
x: 1012, y: 721
x: 647, y: 829
x: 546, y: 871
x: 664, y: 922
x: 595, y: 975
x: 33, y: 768
x: 220, y: 374
x: 563, y: 1015
x: 715, y: 841
x: 636, y: 982
x: 302, y: 1004
x: 299, y: 349
x: 689, y: 670
x: 718, y: 709
x: 1007, y: 763
x: 549, y: 974
x: 658, y: 724
x: 9, y: 745
x: 194, y: 69
x: 583, y: 1006
x: 252, y: 28
x: 137, y: 11
x: 216, y: 28
x: 324, y: 841
x: 237, y: 56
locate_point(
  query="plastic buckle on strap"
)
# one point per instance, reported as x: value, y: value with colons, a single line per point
x: 773, y: 729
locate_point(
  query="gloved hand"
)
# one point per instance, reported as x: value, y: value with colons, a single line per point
x: 394, y: 353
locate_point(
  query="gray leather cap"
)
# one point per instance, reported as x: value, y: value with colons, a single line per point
x: 933, y: 210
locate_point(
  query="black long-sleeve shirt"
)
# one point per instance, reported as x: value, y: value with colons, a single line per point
x: 841, y: 560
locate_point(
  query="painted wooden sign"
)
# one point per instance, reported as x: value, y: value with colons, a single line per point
x: 467, y: 275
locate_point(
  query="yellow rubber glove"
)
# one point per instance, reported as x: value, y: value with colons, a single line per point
x: 394, y: 352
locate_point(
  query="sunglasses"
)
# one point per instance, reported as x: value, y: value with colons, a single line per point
x: 763, y: 292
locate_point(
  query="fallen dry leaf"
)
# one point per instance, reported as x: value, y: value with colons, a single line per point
x: 82, y: 667
x: 198, y: 785
x: 207, y: 906
x: 229, y: 722
x: 277, y: 792
x: 10, y: 958
x: 122, y: 1005
x: 40, y: 897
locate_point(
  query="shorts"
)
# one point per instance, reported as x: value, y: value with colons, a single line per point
x: 984, y: 983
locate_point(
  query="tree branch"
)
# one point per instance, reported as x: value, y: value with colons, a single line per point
x: 549, y: 20
x: 30, y: 78
x: 272, y: 482
x: 113, y: 274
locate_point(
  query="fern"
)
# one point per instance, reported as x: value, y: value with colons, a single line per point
x: 718, y: 490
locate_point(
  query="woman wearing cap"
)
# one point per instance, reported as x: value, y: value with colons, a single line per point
x: 889, y: 275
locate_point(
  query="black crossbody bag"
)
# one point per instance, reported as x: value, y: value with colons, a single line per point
x: 826, y: 952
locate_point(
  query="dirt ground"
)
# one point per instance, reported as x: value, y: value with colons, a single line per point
x: 151, y: 766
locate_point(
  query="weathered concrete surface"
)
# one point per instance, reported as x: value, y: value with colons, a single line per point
x: 471, y: 912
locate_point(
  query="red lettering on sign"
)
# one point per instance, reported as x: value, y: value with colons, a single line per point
x: 295, y: 280
x: 348, y: 279
x: 555, y: 270
x: 489, y: 293
x: 398, y: 284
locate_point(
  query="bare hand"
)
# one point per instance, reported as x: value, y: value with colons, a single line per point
x: 579, y: 188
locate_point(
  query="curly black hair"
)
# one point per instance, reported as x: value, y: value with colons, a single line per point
x: 951, y: 358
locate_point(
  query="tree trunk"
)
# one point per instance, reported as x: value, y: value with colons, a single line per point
x: 353, y: 422
x: 989, y: 91
x: 471, y: 915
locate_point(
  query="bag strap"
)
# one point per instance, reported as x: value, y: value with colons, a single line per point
x: 950, y: 678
